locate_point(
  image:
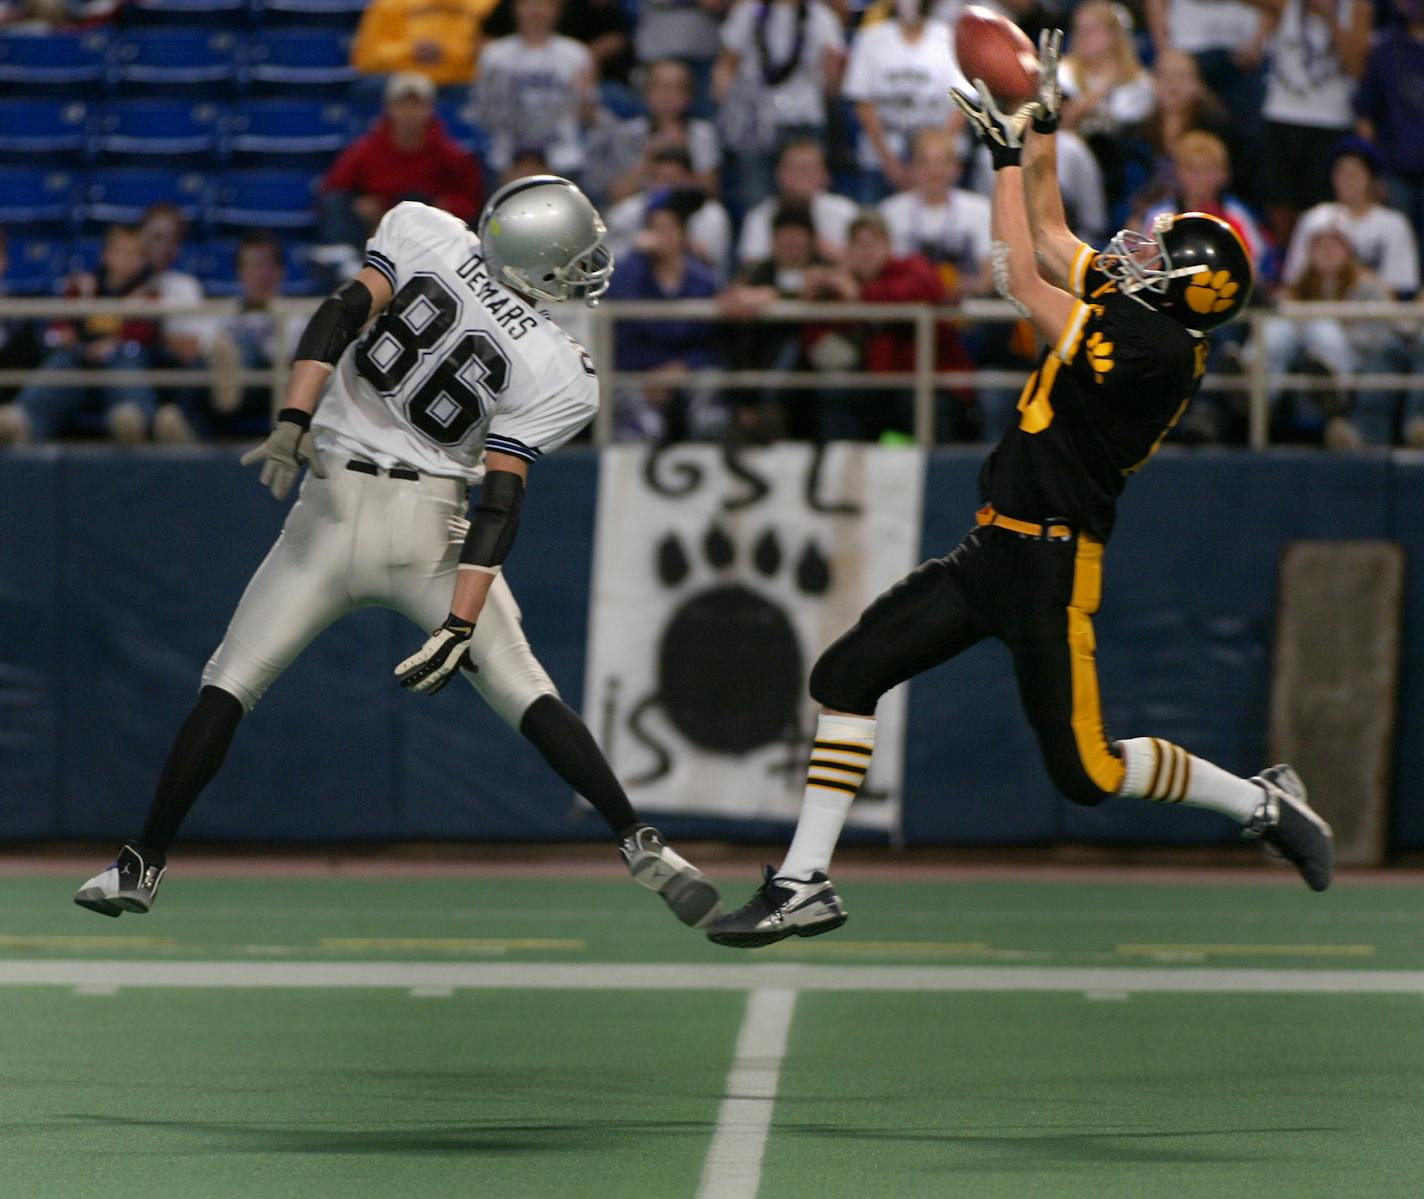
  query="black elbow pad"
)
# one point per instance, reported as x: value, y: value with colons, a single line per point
x: 494, y: 520
x: 335, y: 324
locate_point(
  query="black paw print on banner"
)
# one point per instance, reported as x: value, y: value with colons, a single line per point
x: 731, y: 670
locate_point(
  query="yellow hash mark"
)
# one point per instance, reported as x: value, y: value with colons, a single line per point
x: 451, y: 944
x: 15, y: 941
x: 1280, y: 951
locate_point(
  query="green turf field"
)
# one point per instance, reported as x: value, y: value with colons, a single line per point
x: 511, y: 1038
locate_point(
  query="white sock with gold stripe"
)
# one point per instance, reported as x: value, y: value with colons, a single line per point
x: 1159, y: 770
x: 840, y: 756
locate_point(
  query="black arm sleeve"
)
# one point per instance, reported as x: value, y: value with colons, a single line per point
x: 495, y: 520
x: 335, y: 324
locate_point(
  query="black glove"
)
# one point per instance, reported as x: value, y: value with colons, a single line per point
x: 1002, y: 133
x: 432, y: 666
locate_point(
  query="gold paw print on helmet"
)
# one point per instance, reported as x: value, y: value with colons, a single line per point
x: 1100, y: 355
x: 1210, y: 292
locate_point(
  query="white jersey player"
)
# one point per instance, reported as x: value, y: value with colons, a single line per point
x: 457, y: 379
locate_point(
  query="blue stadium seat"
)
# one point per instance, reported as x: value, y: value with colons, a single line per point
x: 287, y: 132
x: 301, y: 60
x: 33, y: 131
x: 264, y: 200
x: 121, y: 194
x: 38, y: 266
x: 189, y: 60
x: 225, y: 13
x: 468, y: 136
x: 343, y: 13
x: 37, y: 198
x: 153, y: 129
x: 51, y: 62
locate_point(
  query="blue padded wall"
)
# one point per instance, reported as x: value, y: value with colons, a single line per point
x: 118, y: 573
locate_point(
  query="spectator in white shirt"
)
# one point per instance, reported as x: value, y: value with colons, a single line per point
x: 1383, y: 239
x: 709, y: 228
x: 620, y: 152
x: 900, y: 74
x: 780, y: 60
x: 946, y: 224
x: 535, y: 89
x: 1317, y: 53
x: 801, y: 177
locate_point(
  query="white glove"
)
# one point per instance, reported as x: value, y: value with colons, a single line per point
x: 1001, y: 132
x: 434, y: 664
x: 288, y: 446
x: 1050, y: 94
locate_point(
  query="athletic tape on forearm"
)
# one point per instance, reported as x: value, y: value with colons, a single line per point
x: 335, y: 324
x: 999, y: 257
x: 494, y: 521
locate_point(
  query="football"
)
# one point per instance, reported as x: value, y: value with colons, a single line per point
x: 994, y: 49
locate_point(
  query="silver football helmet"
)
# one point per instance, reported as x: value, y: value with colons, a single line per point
x: 543, y: 238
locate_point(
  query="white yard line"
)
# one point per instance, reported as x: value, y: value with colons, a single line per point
x: 733, y: 1166
x: 689, y: 977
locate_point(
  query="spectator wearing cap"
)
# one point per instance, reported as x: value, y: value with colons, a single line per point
x: 781, y: 60
x: 407, y: 155
x: 1316, y: 54
x: 439, y: 41
x: 672, y: 182
x: 536, y: 88
x: 1382, y: 237
x: 801, y: 178
x: 660, y: 266
x: 1390, y: 109
x: 621, y: 152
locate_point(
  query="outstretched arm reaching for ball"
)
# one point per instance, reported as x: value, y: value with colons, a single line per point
x: 1016, y: 274
x: 1054, y: 244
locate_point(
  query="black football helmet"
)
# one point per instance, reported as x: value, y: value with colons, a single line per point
x: 1193, y: 267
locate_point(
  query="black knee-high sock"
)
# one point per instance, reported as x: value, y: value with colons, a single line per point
x: 198, y: 751
x: 556, y: 731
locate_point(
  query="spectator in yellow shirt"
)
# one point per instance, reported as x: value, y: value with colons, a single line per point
x: 439, y: 39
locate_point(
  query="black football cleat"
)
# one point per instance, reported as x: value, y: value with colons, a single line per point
x: 684, y: 888
x: 1286, y: 822
x: 129, y: 885
x: 781, y: 908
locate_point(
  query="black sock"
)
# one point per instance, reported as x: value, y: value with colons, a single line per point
x: 198, y: 751
x: 556, y: 731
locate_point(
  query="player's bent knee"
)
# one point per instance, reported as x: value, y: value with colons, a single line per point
x: 511, y: 681
x: 838, y: 681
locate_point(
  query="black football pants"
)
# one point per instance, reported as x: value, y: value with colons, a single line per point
x: 1036, y: 596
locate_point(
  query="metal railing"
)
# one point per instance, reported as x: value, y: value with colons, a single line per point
x: 923, y: 382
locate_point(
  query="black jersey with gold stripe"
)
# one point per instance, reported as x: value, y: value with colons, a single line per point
x: 1095, y: 410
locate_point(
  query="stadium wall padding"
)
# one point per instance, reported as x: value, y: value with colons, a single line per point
x: 118, y: 572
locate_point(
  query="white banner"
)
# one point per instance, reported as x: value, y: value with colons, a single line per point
x: 717, y: 580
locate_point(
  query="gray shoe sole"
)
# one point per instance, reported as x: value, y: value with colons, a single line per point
x: 96, y: 901
x: 760, y: 937
x: 693, y: 900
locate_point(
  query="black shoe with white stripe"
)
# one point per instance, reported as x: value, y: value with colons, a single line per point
x: 781, y: 908
x: 1286, y: 822
x: 684, y: 888
x: 129, y: 885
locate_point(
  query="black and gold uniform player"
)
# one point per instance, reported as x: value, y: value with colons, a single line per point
x: 1125, y: 354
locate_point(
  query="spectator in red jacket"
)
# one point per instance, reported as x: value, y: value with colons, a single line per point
x: 872, y: 274
x: 407, y: 155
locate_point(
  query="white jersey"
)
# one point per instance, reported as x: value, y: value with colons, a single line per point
x: 455, y: 364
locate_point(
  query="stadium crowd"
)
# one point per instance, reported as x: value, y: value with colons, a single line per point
x: 745, y: 151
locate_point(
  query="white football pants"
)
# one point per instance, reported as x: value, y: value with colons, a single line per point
x: 356, y: 540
